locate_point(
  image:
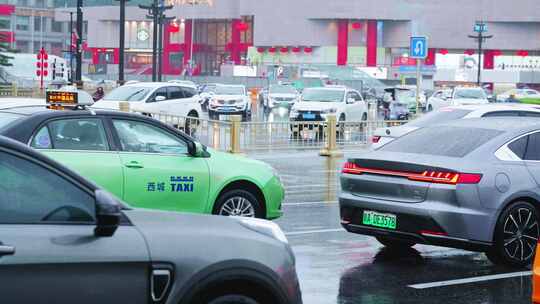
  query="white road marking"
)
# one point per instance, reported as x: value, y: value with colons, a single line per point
x: 311, y: 203
x: 471, y: 280
x: 309, y: 186
x: 314, y: 231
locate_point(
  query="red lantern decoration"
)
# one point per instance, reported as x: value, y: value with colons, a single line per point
x: 443, y: 51
x: 356, y: 25
x: 296, y: 50
x: 469, y: 52
x: 260, y: 49
x: 272, y: 50
x: 522, y: 53
x: 284, y: 50
x: 174, y: 28
x: 308, y: 50
x: 242, y: 26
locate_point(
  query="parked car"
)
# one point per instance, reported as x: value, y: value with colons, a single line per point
x: 280, y: 96
x: 148, y: 163
x: 229, y: 100
x: 472, y: 184
x: 518, y: 94
x: 382, y: 136
x: 155, y: 97
x: 65, y: 240
x: 316, y: 103
x: 459, y: 96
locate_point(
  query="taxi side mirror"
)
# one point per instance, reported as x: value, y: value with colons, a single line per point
x: 196, y: 149
x: 108, y: 214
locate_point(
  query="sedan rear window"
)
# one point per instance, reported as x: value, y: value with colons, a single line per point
x: 442, y: 141
x: 439, y: 116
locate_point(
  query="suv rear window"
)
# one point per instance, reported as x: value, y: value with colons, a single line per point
x: 442, y: 141
x: 439, y: 116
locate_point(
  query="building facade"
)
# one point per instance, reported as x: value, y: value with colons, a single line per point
x: 369, y: 33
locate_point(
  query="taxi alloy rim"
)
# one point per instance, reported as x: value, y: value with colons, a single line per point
x: 521, y: 233
x: 237, y: 206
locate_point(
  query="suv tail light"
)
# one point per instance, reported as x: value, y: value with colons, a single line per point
x: 375, y: 139
x: 436, y: 177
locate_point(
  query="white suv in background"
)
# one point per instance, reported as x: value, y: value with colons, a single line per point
x: 230, y: 99
x: 458, y: 96
x: 154, y: 97
x: 316, y: 103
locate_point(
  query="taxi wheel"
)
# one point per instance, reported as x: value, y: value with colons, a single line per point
x: 393, y: 243
x: 516, y: 235
x: 238, y: 203
x: 233, y: 299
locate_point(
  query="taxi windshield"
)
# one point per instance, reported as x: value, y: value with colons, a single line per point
x: 323, y: 95
x: 127, y: 93
x: 229, y: 90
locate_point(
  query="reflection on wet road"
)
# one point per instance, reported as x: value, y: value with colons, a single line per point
x: 338, y: 267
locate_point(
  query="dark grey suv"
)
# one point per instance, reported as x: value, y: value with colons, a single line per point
x: 64, y: 240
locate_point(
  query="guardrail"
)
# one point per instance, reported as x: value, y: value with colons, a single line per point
x: 14, y: 91
x: 235, y: 136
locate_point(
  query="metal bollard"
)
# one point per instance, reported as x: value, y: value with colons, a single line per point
x: 14, y: 90
x: 235, y: 133
x: 330, y: 148
x: 124, y: 106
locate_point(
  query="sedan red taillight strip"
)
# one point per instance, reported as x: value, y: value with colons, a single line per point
x: 451, y: 178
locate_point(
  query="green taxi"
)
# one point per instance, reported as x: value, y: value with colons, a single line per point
x: 147, y: 163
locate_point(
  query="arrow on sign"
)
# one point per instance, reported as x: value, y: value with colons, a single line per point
x: 418, y: 48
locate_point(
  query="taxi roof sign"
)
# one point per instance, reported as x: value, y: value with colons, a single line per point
x: 68, y: 97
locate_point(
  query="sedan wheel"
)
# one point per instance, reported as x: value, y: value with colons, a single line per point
x: 516, y: 235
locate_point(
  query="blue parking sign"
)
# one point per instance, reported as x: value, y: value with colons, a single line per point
x: 419, y: 47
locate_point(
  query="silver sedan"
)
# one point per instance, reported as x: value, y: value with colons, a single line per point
x: 470, y: 184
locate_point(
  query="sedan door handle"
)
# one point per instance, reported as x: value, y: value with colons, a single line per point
x: 134, y: 165
x: 6, y: 250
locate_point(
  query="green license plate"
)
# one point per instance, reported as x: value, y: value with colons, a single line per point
x: 382, y: 220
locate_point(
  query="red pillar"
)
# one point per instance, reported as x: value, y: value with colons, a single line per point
x: 116, y: 55
x: 430, y: 59
x: 235, y: 41
x: 166, y: 48
x: 188, y: 24
x: 489, y: 59
x: 342, y: 42
x: 95, y: 55
x: 371, y: 43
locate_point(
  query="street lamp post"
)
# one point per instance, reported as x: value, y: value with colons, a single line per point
x: 78, y: 72
x: 480, y: 28
x: 121, y: 44
x: 156, y: 12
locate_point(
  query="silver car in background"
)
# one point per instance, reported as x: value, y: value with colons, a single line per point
x: 471, y: 184
x: 382, y: 136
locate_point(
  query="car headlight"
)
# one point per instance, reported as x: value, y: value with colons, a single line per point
x: 329, y: 111
x: 265, y: 227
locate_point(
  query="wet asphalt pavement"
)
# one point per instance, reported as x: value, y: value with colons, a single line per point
x: 335, y: 266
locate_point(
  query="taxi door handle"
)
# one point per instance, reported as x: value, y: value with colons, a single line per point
x: 134, y: 165
x: 6, y: 250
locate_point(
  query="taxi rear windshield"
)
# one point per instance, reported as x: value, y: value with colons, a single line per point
x: 7, y: 118
x: 448, y: 141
